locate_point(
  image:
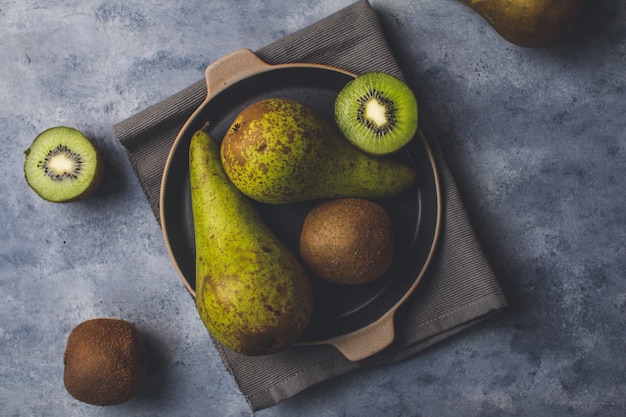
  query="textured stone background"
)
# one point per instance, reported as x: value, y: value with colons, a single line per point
x: 536, y: 139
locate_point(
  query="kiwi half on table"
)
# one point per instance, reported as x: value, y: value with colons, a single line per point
x: 63, y: 165
x: 377, y: 113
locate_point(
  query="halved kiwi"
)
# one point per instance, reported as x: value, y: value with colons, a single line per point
x: 377, y: 113
x: 63, y: 165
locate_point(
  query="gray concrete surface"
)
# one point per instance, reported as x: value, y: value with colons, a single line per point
x: 535, y: 137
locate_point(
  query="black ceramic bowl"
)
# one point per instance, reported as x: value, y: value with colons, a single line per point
x: 357, y: 320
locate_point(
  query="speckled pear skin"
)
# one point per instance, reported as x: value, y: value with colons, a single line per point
x: 279, y: 151
x: 529, y: 23
x: 252, y: 293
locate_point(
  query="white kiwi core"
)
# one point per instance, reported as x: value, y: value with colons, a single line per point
x: 62, y: 166
x: 376, y: 112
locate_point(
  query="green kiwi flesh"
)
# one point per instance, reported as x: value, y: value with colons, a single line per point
x: 377, y: 113
x: 347, y: 241
x: 63, y: 165
x: 105, y: 362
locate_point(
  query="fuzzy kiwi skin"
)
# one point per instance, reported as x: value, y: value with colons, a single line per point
x: 105, y: 362
x: 347, y: 241
x: 96, y: 182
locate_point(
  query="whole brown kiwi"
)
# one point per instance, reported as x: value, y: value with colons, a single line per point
x: 347, y: 241
x: 105, y: 362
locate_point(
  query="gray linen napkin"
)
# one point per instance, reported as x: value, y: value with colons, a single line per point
x: 459, y: 288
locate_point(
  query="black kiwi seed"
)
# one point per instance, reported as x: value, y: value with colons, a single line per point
x: 63, y: 165
x: 377, y: 113
x: 105, y: 362
x: 390, y: 113
x: 347, y: 241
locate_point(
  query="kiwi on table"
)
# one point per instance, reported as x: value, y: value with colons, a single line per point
x: 377, y: 113
x: 347, y: 241
x: 63, y: 165
x: 105, y: 362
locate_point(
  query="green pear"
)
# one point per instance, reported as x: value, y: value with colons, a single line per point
x: 529, y: 23
x: 279, y: 151
x: 252, y: 293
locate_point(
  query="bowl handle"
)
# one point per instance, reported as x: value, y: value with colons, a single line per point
x: 232, y: 68
x: 222, y: 73
x: 367, y: 341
